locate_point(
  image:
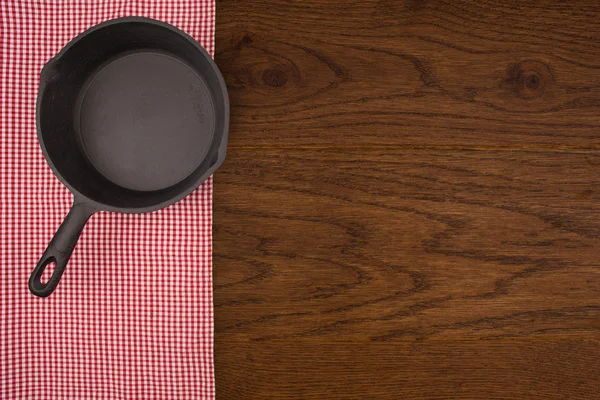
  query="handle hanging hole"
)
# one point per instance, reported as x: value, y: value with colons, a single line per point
x: 48, y: 271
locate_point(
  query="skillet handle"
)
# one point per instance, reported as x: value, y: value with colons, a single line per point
x: 60, y: 249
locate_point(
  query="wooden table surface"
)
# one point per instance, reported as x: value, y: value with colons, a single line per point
x: 410, y: 204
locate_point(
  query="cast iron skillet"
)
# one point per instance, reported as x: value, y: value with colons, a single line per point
x: 132, y: 116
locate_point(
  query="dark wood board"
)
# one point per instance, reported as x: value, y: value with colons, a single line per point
x: 426, y: 73
x: 384, y: 245
x: 481, y: 370
x: 409, y: 208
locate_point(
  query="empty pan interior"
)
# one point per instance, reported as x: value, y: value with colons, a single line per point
x: 145, y: 120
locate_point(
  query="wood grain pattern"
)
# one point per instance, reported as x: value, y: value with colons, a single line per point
x: 485, y: 370
x: 427, y: 73
x: 409, y: 208
x: 384, y: 245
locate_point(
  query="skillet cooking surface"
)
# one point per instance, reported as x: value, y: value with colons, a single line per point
x: 145, y: 120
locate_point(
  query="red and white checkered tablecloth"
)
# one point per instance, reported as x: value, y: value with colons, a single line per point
x: 132, y: 317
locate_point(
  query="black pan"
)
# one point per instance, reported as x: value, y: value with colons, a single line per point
x: 132, y: 116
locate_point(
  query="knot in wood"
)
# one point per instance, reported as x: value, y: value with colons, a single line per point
x: 274, y: 77
x: 529, y: 78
